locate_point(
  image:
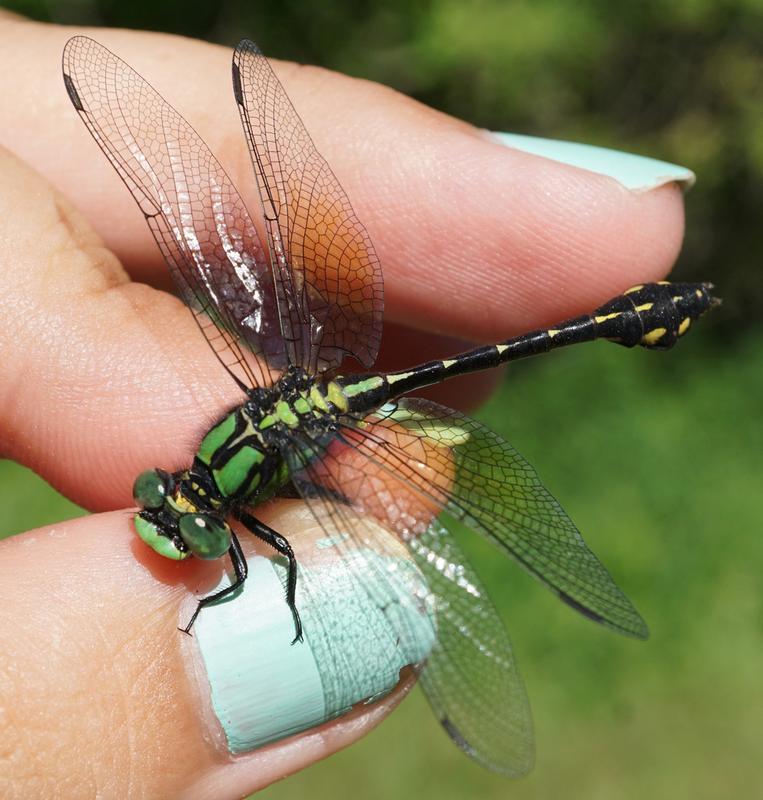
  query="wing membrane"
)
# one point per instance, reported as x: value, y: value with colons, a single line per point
x: 470, y: 676
x: 471, y: 474
x: 327, y: 275
x: 375, y: 595
x: 193, y: 210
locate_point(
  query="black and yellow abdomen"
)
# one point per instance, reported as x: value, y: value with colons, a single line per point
x: 652, y: 315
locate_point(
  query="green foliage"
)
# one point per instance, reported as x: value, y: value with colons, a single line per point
x: 28, y: 502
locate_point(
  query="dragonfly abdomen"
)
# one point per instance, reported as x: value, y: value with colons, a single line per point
x: 653, y: 315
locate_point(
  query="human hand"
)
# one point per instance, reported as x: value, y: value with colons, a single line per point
x: 103, y: 376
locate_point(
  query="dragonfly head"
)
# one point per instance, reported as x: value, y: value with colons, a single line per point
x: 172, y: 526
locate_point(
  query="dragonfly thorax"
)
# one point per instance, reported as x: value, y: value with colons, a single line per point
x: 242, y: 460
x: 297, y: 409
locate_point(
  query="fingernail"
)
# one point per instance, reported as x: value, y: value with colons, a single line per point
x: 638, y: 173
x: 362, y: 624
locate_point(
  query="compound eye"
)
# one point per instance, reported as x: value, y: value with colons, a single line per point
x: 164, y: 544
x: 207, y: 536
x: 151, y: 488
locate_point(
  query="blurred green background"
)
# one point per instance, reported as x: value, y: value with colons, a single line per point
x: 658, y: 459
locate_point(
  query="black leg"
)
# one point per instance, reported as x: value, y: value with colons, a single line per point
x: 239, y: 567
x: 282, y: 546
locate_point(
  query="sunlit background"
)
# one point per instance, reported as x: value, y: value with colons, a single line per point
x: 678, y: 520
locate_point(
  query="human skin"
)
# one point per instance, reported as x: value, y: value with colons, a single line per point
x: 103, y: 374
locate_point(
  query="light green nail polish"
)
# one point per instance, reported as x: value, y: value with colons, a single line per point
x: 639, y: 173
x: 362, y: 625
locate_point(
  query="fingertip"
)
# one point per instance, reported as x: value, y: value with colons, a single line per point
x: 480, y: 238
x: 359, y: 633
x: 507, y: 241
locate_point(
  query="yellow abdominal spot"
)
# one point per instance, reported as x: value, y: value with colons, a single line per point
x: 401, y: 376
x: 653, y: 336
x: 605, y: 317
x: 684, y: 326
x: 636, y: 288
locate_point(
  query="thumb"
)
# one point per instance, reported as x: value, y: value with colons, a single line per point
x: 103, y: 696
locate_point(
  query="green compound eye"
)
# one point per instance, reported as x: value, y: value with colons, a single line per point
x: 207, y: 537
x: 150, y: 488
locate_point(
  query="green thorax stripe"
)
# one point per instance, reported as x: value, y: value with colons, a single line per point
x: 239, y: 474
x: 230, y: 451
x: 216, y: 439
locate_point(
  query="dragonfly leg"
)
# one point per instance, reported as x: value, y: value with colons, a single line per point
x: 281, y: 545
x: 240, y: 569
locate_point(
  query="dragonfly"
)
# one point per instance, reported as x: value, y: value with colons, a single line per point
x: 284, y: 299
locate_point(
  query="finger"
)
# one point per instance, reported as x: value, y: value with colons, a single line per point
x: 156, y: 391
x: 518, y: 240
x: 103, y: 696
x: 93, y: 391
x: 94, y: 366
x: 100, y: 377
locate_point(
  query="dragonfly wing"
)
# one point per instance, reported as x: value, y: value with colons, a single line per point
x: 328, y: 278
x: 359, y: 594
x: 469, y: 676
x: 471, y: 474
x: 194, y: 212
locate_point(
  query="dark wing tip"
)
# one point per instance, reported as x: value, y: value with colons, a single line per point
x: 71, y: 90
x: 636, y: 627
x: 514, y: 768
x: 238, y: 91
x: 455, y: 734
x: 67, y: 58
x: 246, y: 46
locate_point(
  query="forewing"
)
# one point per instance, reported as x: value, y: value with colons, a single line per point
x: 473, y: 475
x: 470, y: 676
x: 327, y: 275
x: 193, y: 210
